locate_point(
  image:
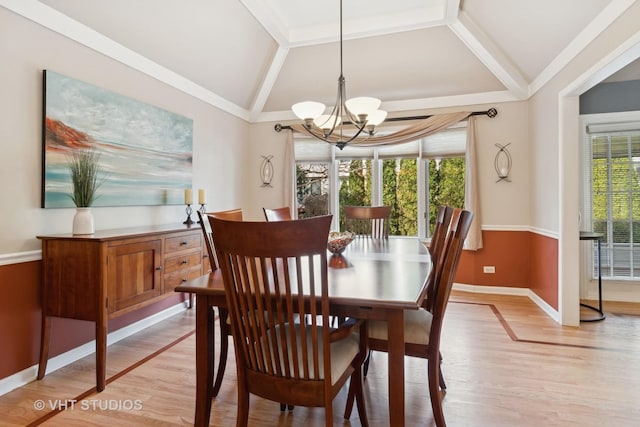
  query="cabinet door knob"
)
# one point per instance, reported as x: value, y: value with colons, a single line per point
x: 159, y: 268
x: 184, y: 280
x: 184, y: 261
x: 183, y: 243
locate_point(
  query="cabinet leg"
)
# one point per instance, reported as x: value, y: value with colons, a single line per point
x: 45, y: 334
x: 101, y: 356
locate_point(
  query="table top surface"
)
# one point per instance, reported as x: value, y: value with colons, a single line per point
x: 382, y: 274
x: 590, y: 235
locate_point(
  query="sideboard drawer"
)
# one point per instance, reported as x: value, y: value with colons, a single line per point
x: 179, y: 262
x: 173, y: 279
x: 183, y: 242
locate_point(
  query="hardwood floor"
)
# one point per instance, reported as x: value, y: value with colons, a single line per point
x: 505, y: 362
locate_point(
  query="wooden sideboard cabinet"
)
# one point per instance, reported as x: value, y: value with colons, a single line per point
x: 101, y: 276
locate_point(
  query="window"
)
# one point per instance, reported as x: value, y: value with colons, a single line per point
x: 611, y: 196
x: 312, y: 189
x: 413, y: 178
x: 445, y: 185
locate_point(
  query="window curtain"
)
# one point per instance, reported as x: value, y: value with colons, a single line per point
x: 418, y: 130
x: 290, y: 177
x: 471, y: 193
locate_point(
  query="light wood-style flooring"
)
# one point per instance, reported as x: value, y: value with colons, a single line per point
x: 506, y: 363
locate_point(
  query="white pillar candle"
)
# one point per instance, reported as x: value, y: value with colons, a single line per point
x: 201, y: 196
x: 188, y: 196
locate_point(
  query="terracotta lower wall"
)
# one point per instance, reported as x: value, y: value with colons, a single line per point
x: 521, y: 259
x: 544, y: 271
x: 21, y: 316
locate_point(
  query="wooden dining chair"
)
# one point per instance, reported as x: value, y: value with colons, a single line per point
x: 268, y: 287
x: 422, y: 328
x: 369, y: 221
x: 277, y: 214
x: 223, y: 314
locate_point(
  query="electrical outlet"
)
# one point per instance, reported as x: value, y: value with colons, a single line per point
x: 489, y: 269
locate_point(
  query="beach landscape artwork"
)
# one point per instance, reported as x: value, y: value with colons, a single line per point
x: 145, y: 152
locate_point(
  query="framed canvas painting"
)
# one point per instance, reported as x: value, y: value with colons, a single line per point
x: 144, y: 152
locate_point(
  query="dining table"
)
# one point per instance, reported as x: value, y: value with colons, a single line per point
x: 378, y: 279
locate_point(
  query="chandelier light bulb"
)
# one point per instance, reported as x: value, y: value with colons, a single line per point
x: 363, y: 105
x: 376, y: 117
x: 308, y: 109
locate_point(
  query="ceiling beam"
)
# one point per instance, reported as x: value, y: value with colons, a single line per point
x: 268, y: 82
x: 485, y: 49
x: 609, y: 14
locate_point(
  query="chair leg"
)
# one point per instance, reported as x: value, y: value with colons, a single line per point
x: 350, y: 398
x: 223, y: 314
x: 359, y: 393
x: 434, y: 393
x: 328, y: 414
x: 365, y: 365
x: 443, y: 385
x: 242, y: 419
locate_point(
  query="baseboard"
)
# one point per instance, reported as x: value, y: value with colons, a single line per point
x: 505, y: 290
x: 30, y: 374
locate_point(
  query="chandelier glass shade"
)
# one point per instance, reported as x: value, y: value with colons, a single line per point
x: 348, y: 118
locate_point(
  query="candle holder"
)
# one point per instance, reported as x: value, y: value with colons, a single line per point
x: 202, y: 210
x: 502, y: 163
x: 188, y: 211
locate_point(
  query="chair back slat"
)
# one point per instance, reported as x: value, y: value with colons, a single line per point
x: 368, y: 221
x: 440, y: 231
x: 443, y: 219
x: 269, y: 287
x: 208, y: 240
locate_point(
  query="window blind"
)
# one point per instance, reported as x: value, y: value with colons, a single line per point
x: 448, y: 143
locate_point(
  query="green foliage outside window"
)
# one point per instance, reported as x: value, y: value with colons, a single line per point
x: 390, y: 194
x: 446, y: 185
x: 407, y: 196
x: 355, y: 188
x: 399, y: 188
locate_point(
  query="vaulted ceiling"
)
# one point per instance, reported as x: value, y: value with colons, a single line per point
x: 255, y: 58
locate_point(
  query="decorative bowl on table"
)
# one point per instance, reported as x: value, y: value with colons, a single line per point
x: 336, y: 244
x: 339, y: 240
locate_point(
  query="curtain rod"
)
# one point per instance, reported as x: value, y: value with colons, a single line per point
x: 491, y: 112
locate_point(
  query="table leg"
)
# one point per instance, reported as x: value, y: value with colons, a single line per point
x: 599, y: 309
x: 396, y: 367
x: 205, y: 330
x: 101, y: 355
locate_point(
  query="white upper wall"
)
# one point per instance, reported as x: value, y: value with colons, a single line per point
x: 219, y: 139
x: 603, y: 57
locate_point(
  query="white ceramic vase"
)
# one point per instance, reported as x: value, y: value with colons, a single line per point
x: 83, y: 221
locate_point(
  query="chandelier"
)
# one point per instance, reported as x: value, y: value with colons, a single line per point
x: 355, y: 115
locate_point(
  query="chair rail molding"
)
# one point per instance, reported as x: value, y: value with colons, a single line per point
x: 18, y: 257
